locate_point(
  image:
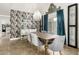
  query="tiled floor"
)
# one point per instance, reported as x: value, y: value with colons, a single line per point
x: 22, y: 47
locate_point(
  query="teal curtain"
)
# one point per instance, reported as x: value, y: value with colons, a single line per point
x: 46, y: 22
x: 60, y: 23
x: 42, y: 23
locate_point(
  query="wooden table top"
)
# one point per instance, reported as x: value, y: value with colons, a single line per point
x: 46, y: 36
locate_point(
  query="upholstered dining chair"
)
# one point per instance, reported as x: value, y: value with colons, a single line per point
x: 28, y: 32
x: 35, y: 41
x: 57, y: 44
x: 23, y: 33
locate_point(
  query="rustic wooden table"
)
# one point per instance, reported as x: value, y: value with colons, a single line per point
x: 46, y: 37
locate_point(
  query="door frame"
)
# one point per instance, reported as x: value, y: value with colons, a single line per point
x: 75, y: 26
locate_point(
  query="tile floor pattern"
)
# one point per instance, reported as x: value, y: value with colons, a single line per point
x: 22, y: 47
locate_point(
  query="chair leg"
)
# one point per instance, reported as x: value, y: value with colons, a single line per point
x: 60, y: 52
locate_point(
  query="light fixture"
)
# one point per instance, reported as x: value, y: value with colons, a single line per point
x: 37, y: 16
x: 55, y: 19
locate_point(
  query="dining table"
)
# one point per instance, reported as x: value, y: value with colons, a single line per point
x: 47, y: 38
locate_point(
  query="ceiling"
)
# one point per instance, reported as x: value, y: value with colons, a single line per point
x: 27, y: 7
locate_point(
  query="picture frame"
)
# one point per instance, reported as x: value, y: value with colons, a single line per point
x: 3, y: 28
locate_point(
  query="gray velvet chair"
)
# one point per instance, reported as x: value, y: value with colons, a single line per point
x: 28, y: 32
x: 35, y: 41
x: 57, y: 44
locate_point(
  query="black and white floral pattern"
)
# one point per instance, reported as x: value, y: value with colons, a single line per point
x: 21, y: 20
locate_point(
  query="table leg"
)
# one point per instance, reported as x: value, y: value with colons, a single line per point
x: 46, y: 46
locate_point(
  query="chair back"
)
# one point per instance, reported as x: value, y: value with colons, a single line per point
x: 28, y: 32
x: 35, y: 40
x: 58, y: 43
